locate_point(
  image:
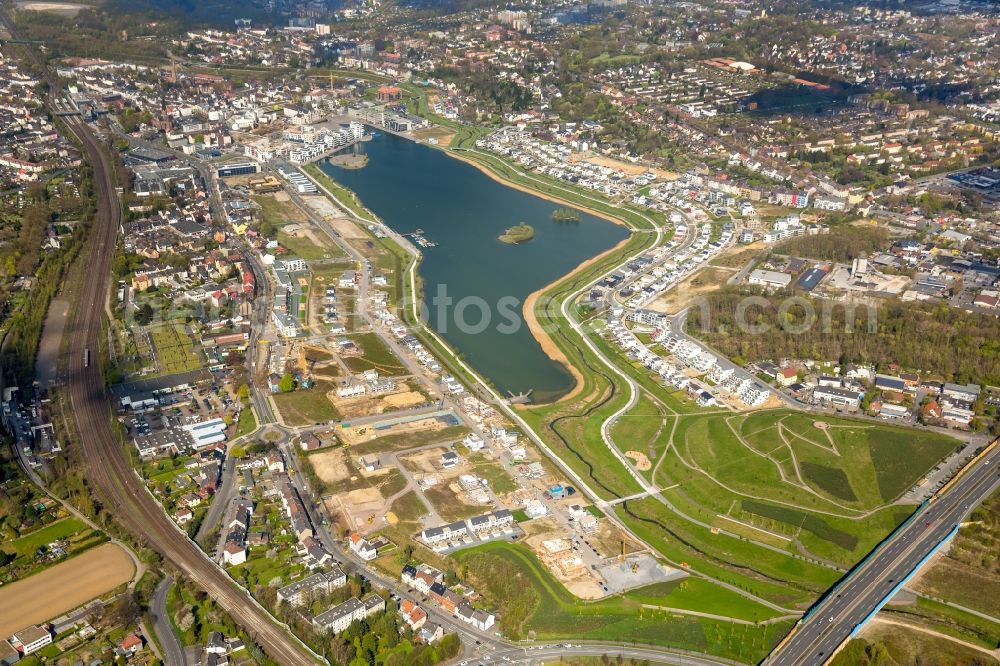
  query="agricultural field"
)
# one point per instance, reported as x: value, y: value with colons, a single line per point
x: 63, y: 587
x: 528, y: 597
x: 174, y: 349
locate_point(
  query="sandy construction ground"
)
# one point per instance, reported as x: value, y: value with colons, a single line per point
x: 331, y: 466
x: 626, y: 167
x: 70, y: 8
x: 405, y: 399
x: 693, y: 287
x: 63, y: 587
x: 361, y: 507
x: 442, y: 136
x: 334, y: 216
x: 367, y: 433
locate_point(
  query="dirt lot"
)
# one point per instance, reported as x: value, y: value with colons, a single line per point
x: 63, y: 587
x: 331, y: 466
x: 367, y: 432
x: 737, y: 256
x: 702, y: 282
x: 442, y: 135
x: 358, y: 406
x: 358, y: 507
x: 627, y: 167
x: 66, y: 8
x: 428, y: 461
x: 406, y: 399
x: 335, y: 217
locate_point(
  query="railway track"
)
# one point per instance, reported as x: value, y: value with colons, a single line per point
x: 108, y: 469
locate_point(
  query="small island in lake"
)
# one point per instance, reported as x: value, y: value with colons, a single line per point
x: 518, y: 234
x: 565, y: 215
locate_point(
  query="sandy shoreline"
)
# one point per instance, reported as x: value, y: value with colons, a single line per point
x: 546, y: 342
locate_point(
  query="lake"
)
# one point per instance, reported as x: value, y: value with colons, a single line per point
x: 412, y: 186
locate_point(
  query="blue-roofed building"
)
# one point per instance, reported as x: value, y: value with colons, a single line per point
x: 206, y: 433
x: 810, y: 279
x: 889, y: 383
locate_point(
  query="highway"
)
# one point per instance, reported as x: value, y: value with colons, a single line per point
x: 846, y: 606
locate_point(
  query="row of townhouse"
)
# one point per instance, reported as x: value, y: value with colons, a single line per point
x: 466, y: 531
x: 429, y: 581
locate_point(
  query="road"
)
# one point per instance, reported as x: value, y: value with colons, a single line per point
x: 846, y: 606
x: 173, y: 651
x: 220, y: 500
x: 539, y: 654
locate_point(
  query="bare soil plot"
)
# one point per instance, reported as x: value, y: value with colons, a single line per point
x: 640, y: 459
x: 405, y: 399
x: 63, y: 587
x: 736, y: 256
x: 441, y: 135
x: 365, y: 433
x: 368, y: 405
x: 699, y: 284
x: 428, y: 461
x: 627, y: 167
x: 331, y: 466
x: 65, y: 8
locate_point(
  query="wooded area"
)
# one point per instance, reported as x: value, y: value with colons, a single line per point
x: 944, y: 342
x: 842, y: 244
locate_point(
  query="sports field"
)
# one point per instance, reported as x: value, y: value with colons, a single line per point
x: 63, y: 587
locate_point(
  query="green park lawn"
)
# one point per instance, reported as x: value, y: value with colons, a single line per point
x: 307, y: 406
x: 375, y: 355
x: 528, y: 597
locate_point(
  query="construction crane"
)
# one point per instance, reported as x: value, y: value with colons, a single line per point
x: 635, y: 566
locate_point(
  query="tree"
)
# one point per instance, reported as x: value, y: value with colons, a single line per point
x: 287, y: 383
x: 243, y: 392
x: 144, y: 315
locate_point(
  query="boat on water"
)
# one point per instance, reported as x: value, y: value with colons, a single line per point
x: 423, y: 242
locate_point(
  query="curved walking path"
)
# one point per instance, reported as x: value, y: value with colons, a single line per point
x: 882, y: 619
x: 723, y: 618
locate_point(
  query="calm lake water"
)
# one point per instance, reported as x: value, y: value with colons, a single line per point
x: 412, y: 186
